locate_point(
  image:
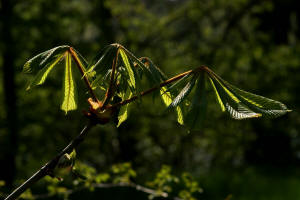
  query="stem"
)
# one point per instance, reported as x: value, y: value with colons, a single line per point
x: 109, y: 92
x: 81, y: 69
x: 49, y: 167
x: 173, y: 79
x: 134, y: 186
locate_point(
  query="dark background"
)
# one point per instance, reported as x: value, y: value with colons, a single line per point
x: 252, y: 44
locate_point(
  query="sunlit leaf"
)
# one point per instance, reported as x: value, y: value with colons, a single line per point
x: 44, y: 72
x: 69, y: 90
x: 167, y: 99
x: 184, y: 92
x: 128, y: 67
x: 236, y: 109
x: 252, y: 103
x: 124, y: 109
x: 217, y: 95
x: 43, y: 59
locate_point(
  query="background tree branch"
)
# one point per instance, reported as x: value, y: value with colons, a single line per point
x: 48, y: 168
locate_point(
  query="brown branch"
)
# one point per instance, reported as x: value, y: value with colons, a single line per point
x: 48, y: 168
x: 171, y: 80
x: 81, y: 69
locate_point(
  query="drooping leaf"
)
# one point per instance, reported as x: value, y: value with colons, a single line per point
x: 184, y: 92
x: 124, y: 109
x: 233, y: 105
x: 102, y: 63
x: 195, y: 117
x: 41, y: 76
x: 217, y: 95
x: 267, y: 107
x: 128, y: 68
x: 167, y: 99
x: 154, y: 75
x: 241, y: 104
x: 69, y: 87
x: 43, y: 59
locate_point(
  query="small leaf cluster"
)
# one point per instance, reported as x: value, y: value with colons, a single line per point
x: 185, y: 187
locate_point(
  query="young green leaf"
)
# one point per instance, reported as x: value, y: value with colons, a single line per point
x: 124, y: 109
x: 41, y: 76
x: 128, y: 68
x: 249, y: 105
x: 233, y: 105
x: 167, y: 99
x: 44, y: 62
x: 154, y: 75
x: 69, y: 87
x: 184, y: 92
x: 217, y: 95
x: 43, y: 59
x: 102, y: 65
x: 194, y: 119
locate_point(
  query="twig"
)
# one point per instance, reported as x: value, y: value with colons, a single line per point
x: 171, y: 80
x: 135, y: 186
x: 48, y: 168
x: 81, y: 69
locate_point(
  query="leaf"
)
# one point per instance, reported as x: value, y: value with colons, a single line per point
x: 260, y: 105
x: 241, y: 104
x: 233, y: 105
x: 128, y: 67
x: 43, y: 59
x: 217, y: 95
x: 69, y: 101
x: 184, y: 92
x: 102, y: 64
x: 195, y: 117
x: 267, y: 107
x: 43, y: 73
x: 154, y: 75
x: 167, y: 99
x: 124, y: 109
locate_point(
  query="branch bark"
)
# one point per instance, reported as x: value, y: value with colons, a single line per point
x: 48, y: 168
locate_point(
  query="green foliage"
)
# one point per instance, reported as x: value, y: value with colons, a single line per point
x: 186, y: 186
x: 163, y: 180
x: 125, y: 79
x: 123, y: 173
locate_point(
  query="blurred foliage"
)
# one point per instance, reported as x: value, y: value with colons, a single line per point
x: 253, y: 44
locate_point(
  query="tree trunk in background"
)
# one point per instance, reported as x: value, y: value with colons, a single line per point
x: 8, y: 165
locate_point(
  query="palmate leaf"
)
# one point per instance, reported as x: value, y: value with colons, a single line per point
x: 241, y: 104
x: 44, y: 63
